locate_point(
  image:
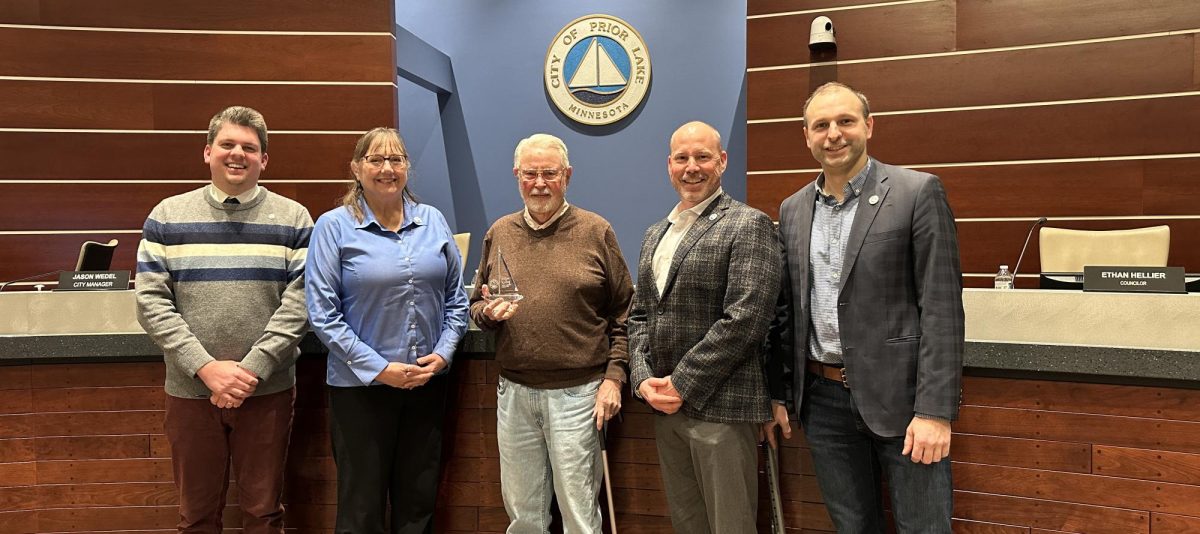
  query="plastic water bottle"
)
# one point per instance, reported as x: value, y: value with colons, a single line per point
x: 1004, y: 279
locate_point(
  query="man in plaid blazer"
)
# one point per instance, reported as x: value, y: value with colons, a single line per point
x: 708, y: 279
x: 869, y: 353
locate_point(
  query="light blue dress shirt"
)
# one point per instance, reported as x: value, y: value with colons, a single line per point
x: 826, y: 257
x: 377, y: 296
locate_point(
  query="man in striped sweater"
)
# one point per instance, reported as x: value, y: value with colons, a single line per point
x: 220, y: 288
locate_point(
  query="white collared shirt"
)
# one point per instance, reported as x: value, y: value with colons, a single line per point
x: 681, y: 221
x: 557, y: 215
x: 243, y: 198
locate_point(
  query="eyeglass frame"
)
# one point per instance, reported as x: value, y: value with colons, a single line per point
x: 544, y: 174
x: 401, y: 163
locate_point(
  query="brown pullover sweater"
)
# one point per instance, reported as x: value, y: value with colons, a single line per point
x: 570, y: 328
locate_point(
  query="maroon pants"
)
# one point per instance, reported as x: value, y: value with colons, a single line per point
x: 204, y: 439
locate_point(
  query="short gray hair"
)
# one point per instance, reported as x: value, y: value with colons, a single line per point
x: 544, y: 140
x: 241, y: 116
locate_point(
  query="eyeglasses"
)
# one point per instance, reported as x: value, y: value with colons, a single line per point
x: 549, y: 175
x: 376, y: 161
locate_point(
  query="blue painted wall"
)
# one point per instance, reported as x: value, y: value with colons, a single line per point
x: 471, y: 87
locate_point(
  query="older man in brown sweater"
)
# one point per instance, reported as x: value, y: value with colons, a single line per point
x: 562, y: 349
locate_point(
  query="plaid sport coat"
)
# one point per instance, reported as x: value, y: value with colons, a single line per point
x: 708, y: 327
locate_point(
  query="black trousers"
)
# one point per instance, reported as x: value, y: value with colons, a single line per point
x: 387, y: 444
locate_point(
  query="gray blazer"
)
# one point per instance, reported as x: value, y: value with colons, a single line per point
x: 708, y: 327
x: 900, y: 307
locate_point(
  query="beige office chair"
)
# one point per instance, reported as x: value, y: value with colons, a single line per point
x: 463, y: 241
x: 1068, y: 251
x: 95, y: 256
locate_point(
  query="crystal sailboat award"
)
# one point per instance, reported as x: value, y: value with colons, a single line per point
x: 503, y: 286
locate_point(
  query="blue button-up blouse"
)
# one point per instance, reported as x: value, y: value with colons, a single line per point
x: 377, y: 296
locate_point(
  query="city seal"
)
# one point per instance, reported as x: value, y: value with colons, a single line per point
x: 597, y: 70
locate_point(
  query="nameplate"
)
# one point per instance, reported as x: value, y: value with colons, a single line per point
x: 93, y: 281
x: 1134, y: 279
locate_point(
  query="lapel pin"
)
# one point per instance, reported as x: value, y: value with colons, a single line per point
x: 873, y: 200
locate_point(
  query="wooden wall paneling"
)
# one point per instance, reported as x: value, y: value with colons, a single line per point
x: 1047, y: 514
x: 18, y: 521
x: 641, y: 502
x: 14, y: 377
x: 1103, y: 399
x: 1037, y: 454
x: 145, y: 106
x: 984, y: 245
x: 963, y: 526
x: 98, y: 423
x: 1078, y: 488
x: 627, y: 475
x: 807, y: 516
x: 93, y: 447
x: 1163, y: 126
x: 111, y: 518
x: 1147, y: 464
x: 15, y: 401
x: 16, y: 426
x: 492, y: 519
x: 1171, y: 187
x: 107, y: 494
x: 634, y: 451
x: 1035, y: 190
x: 97, y: 374
x: 165, y: 56
x: 453, y: 518
x: 354, y: 108
x: 643, y: 524
x: 18, y: 474
x: 302, y: 491
x: 310, y: 517
x: 123, y: 206
x: 1106, y: 69
x: 252, y: 15
x: 795, y: 460
x: 928, y: 27
x: 1019, y: 22
x: 109, y: 470
x: 632, y: 425
x: 18, y: 498
x: 1135, y: 432
x: 1173, y: 524
x: 800, y: 488
x: 162, y: 156
x: 765, y: 7
x: 100, y: 399
x: 17, y: 450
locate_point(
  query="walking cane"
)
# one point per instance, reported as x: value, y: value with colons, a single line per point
x: 612, y: 513
x: 773, y: 486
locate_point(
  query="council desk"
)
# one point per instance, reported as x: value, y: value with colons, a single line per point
x: 1081, y: 412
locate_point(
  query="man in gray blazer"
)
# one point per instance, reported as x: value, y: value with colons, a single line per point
x: 708, y: 279
x: 868, y: 351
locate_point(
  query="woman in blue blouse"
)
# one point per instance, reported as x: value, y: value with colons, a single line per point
x: 384, y: 286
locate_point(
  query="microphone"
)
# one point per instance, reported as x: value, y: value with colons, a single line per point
x: 4, y: 285
x: 1037, y: 223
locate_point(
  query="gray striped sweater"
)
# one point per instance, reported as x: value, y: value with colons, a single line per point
x: 224, y: 282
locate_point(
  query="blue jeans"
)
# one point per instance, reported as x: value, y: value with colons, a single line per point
x: 849, y: 460
x: 548, y: 442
